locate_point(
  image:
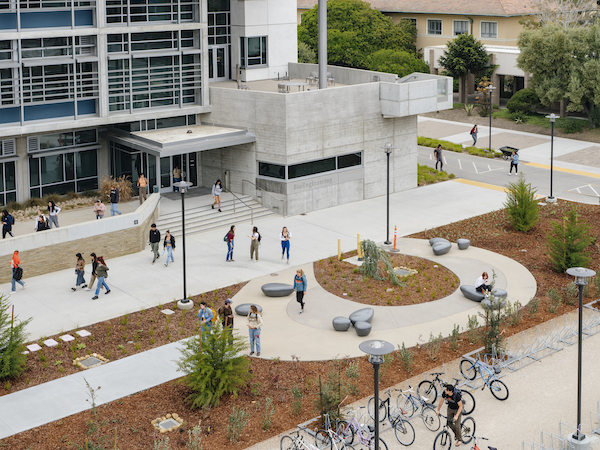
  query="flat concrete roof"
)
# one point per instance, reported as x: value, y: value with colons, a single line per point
x: 188, y: 133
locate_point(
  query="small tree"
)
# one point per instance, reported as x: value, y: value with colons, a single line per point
x: 483, y: 98
x: 122, y: 183
x: 399, y: 62
x: 372, y: 254
x: 214, y: 367
x: 306, y: 54
x: 12, y: 342
x: 493, y: 337
x: 567, y: 243
x: 521, y: 206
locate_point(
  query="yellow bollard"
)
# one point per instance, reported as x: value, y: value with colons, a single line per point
x: 339, y: 249
x: 358, y: 247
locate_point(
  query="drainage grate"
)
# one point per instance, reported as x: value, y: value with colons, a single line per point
x: 91, y: 361
x: 167, y: 424
x: 274, y: 274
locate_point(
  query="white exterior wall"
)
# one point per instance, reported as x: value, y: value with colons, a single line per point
x: 506, y: 58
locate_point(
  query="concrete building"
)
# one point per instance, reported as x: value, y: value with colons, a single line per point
x: 94, y: 88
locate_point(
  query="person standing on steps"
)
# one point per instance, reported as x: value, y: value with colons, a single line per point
x: 53, y: 211
x: 80, y: 271
x: 154, y: 241
x: 300, y: 288
x: 99, y: 209
x: 438, y: 157
x: 7, y: 222
x: 102, y: 272
x: 254, y: 243
x: 217, y: 189
x: 285, y: 237
x: 514, y: 162
x: 169, y: 246
x: 206, y: 316
x: 142, y: 185
x: 474, y: 132
x: 94, y: 272
x: 114, y: 200
x: 229, y: 239
x: 226, y: 314
x: 254, y: 323
x: 454, y: 411
x: 17, y: 272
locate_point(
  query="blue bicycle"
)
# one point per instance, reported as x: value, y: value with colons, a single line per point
x: 469, y: 368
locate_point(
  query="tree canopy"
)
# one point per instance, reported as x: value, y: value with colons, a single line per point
x: 397, y: 61
x: 355, y: 31
x: 464, y: 54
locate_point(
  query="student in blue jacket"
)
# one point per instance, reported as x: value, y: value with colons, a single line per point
x: 300, y: 288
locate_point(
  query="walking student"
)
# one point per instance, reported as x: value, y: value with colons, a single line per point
x: 17, y: 272
x: 80, y: 271
x: 300, y: 288
x: 114, y: 200
x: 226, y: 314
x: 474, y: 132
x: 94, y: 272
x: 154, y: 241
x: 254, y: 323
x: 229, y: 239
x: 53, y: 211
x: 7, y: 222
x: 142, y: 184
x: 285, y: 237
x: 438, y: 157
x: 514, y: 162
x: 217, y: 189
x: 454, y: 411
x: 254, y: 243
x: 206, y: 316
x: 102, y: 273
x: 99, y: 209
x: 169, y: 246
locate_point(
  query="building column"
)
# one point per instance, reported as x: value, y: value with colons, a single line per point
x: 526, y: 80
x: 22, y: 170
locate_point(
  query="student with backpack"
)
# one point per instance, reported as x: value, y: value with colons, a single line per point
x: 17, y: 272
x: 207, y: 317
x: 254, y: 243
x: 255, y: 321
x: 474, y: 132
x: 7, y: 222
x: 229, y: 239
x: 169, y: 246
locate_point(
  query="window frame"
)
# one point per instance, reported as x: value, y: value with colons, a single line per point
x: 263, y: 52
x: 454, y: 22
x: 441, y: 27
x: 481, y: 29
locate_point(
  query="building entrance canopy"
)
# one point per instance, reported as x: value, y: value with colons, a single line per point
x: 179, y: 140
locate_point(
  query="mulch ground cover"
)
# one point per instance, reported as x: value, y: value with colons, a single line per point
x: 129, y: 418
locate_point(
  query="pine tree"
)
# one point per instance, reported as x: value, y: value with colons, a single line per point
x: 521, y: 206
x: 568, y: 241
x: 12, y: 342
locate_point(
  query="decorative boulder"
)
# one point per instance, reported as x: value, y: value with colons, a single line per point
x: 362, y: 328
x: 244, y: 309
x: 471, y: 293
x: 499, y: 293
x: 463, y: 244
x: 496, y: 304
x: 341, y: 323
x: 362, y: 315
x: 441, y: 248
x: 436, y: 240
x: 277, y: 289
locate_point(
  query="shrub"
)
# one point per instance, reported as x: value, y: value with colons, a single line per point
x: 330, y: 392
x: 12, y: 342
x: 434, y: 346
x: 446, y: 145
x: 14, y: 206
x: 91, y: 194
x: 483, y: 152
x: 570, y: 125
x: 406, y: 356
x: 238, y: 420
x: 124, y: 185
x: 473, y: 329
x: 56, y: 198
x: 567, y: 243
x: 306, y: 54
x: 370, y: 266
x: 493, y: 338
x: 35, y: 202
x: 519, y: 116
x: 524, y: 101
x: 521, y: 206
x: 469, y: 108
x: 458, y: 105
x: 72, y: 195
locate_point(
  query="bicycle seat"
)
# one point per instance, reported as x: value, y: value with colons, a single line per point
x: 437, y: 373
x: 497, y: 370
x: 492, y: 448
x: 371, y: 428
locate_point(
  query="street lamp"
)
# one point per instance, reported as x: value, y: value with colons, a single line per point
x: 376, y: 351
x: 552, y: 118
x: 183, y: 186
x: 490, y: 89
x: 579, y: 440
x: 387, y: 148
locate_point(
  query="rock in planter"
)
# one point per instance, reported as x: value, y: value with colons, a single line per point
x: 362, y: 315
x: 362, y: 328
x: 277, y: 289
x: 341, y: 323
x: 436, y: 240
x: 244, y: 309
x: 463, y: 244
x: 441, y: 248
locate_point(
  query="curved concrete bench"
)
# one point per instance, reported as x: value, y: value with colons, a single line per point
x: 471, y: 293
x: 277, y: 289
x: 441, y: 248
x: 362, y: 328
x: 463, y: 244
x: 341, y: 323
x: 499, y: 293
x: 436, y: 240
x: 362, y: 315
x: 497, y: 304
x: 244, y: 309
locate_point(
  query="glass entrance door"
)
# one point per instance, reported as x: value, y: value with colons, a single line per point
x: 178, y: 168
x: 218, y: 64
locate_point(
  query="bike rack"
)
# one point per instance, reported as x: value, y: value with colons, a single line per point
x: 597, y: 423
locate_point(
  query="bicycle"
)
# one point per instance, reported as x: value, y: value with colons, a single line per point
x: 469, y: 369
x: 475, y: 447
x: 405, y: 433
x: 427, y: 389
x: 365, y: 434
x: 444, y: 439
x: 295, y: 443
x: 413, y: 403
x: 342, y: 432
x: 329, y: 439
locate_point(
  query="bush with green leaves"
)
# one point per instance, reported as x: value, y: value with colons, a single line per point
x: 399, y: 62
x: 406, y: 356
x: 12, y: 342
x: 493, y: 337
x: 372, y: 254
x: 570, y: 125
x: 521, y: 206
x: 433, y: 143
x: 306, y: 54
x: 568, y: 242
x: 238, y: 420
x: 524, y: 101
x: 214, y: 367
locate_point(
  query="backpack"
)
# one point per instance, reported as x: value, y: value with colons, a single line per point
x: 225, y: 239
x: 10, y: 219
x: 214, y: 313
x: 259, y: 238
x: 18, y: 274
x: 173, y: 242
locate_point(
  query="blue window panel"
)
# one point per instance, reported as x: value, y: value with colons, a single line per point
x: 84, y: 18
x: 86, y: 107
x: 8, y: 21
x: 46, y: 19
x: 10, y: 115
x: 39, y: 112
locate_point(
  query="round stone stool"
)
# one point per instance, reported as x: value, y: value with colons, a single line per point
x: 499, y: 293
x: 436, y: 240
x: 244, y: 309
x: 463, y: 244
x: 441, y: 248
x: 362, y: 315
x: 185, y: 305
x: 362, y: 328
x: 341, y: 323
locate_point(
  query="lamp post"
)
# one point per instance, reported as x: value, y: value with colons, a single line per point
x: 376, y: 351
x: 581, y: 275
x: 490, y: 89
x: 552, y: 118
x: 387, y: 148
x: 183, y: 186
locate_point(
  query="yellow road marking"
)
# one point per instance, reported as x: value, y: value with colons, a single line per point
x: 561, y: 169
x: 487, y: 186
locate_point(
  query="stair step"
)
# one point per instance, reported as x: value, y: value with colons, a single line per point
x: 224, y: 221
x: 207, y: 208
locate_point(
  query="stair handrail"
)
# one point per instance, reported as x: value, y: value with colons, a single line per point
x: 248, y: 206
x: 283, y: 204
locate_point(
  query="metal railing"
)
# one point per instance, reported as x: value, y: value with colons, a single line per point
x: 246, y: 204
x: 283, y: 210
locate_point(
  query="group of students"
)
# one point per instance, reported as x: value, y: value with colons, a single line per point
x: 99, y: 270
x: 168, y: 244
x: 255, y: 239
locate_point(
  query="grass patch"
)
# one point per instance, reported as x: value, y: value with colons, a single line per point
x: 428, y: 175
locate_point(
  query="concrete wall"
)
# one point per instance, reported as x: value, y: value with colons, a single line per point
x: 342, y: 75
x: 55, y: 249
x: 239, y: 160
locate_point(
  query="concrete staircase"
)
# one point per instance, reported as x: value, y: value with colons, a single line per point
x: 202, y: 218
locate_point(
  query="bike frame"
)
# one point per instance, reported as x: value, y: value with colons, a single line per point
x: 491, y: 375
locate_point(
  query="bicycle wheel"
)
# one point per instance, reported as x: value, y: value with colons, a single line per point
x: 427, y: 389
x: 347, y: 447
x: 405, y: 433
x: 467, y: 429
x: 443, y: 441
x: 345, y: 432
x: 371, y: 409
x: 382, y: 444
x: 407, y: 406
x: 323, y: 440
x: 287, y: 443
x: 468, y: 402
x: 468, y: 369
x: 430, y: 418
x: 499, y: 390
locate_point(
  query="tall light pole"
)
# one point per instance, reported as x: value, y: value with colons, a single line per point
x: 388, y: 148
x: 183, y: 186
x: 552, y: 118
x: 581, y: 275
x: 490, y: 89
x: 376, y: 351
